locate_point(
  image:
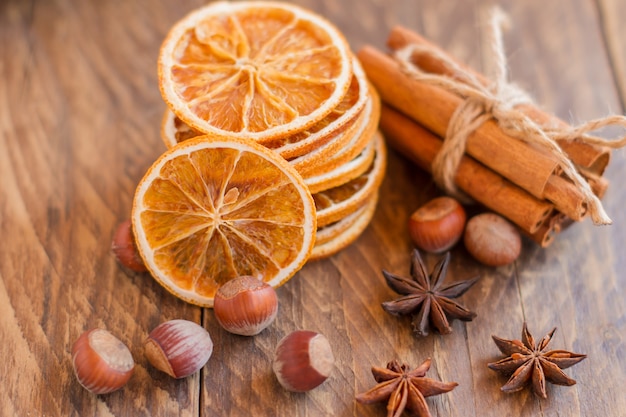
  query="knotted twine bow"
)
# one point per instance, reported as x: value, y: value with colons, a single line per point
x: 498, y: 101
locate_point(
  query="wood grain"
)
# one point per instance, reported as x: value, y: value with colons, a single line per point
x: 612, y: 14
x: 79, y: 122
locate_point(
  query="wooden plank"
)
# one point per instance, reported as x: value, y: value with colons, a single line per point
x: 79, y: 126
x: 571, y: 76
x: 546, y: 284
x: 613, y: 13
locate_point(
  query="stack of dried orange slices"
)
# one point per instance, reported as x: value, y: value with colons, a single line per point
x: 274, y: 155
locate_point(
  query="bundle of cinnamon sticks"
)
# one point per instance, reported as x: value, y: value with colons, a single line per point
x: 519, y: 181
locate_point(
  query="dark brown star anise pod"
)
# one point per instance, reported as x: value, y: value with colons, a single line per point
x: 529, y: 361
x: 424, y: 298
x: 404, y: 389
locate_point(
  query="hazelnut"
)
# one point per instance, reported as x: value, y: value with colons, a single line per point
x: 245, y: 305
x: 102, y: 363
x: 437, y: 225
x: 492, y: 240
x: 124, y: 248
x: 303, y: 360
x: 178, y: 347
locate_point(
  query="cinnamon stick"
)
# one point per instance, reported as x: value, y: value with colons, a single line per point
x: 534, y: 217
x: 529, y: 168
x: 433, y: 107
x: 598, y: 184
x: 594, y: 158
x: 479, y: 182
x: 545, y: 235
x: 566, y: 197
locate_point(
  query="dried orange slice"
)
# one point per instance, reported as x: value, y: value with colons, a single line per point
x: 256, y: 70
x: 211, y: 209
x: 339, y: 235
x: 349, y: 150
x: 306, y: 163
x: 329, y: 232
x: 336, y: 203
x: 174, y: 130
x: 341, y: 119
x: 337, y: 121
x: 345, y: 172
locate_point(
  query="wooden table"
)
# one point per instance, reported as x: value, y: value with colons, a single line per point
x: 79, y: 122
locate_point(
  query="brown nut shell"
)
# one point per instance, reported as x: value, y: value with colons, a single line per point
x: 178, y: 347
x: 492, y: 240
x: 303, y: 360
x: 245, y: 305
x: 437, y: 225
x: 124, y: 248
x: 102, y: 363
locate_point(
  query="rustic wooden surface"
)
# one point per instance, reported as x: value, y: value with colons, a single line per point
x: 79, y: 120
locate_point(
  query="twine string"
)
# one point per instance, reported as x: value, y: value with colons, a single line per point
x: 498, y: 101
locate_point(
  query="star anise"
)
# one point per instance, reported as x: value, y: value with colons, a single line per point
x: 404, y: 389
x: 424, y: 298
x: 529, y: 361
